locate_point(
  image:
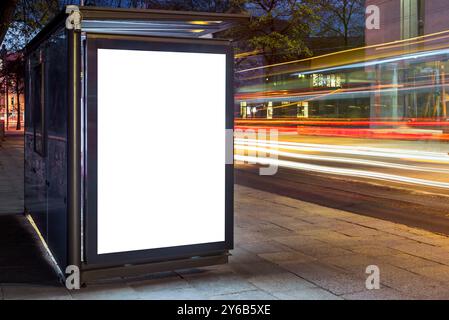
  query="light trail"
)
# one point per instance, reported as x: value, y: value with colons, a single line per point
x: 346, y: 123
x: 376, y: 62
x: 341, y: 160
x: 304, y: 96
x: 341, y: 171
x: 388, y: 133
x: 352, y: 150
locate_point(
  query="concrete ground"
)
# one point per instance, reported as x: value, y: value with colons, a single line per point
x: 284, y: 249
x: 11, y: 173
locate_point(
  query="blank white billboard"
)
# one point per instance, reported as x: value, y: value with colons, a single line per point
x: 161, y: 149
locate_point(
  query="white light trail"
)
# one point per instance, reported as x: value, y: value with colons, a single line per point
x: 341, y: 171
x: 352, y: 150
x: 341, y: 160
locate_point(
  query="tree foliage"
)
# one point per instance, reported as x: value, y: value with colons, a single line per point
x: 278, y: 28
x: 30, y: 16
x: 7, y: 8
x: 344, y: 18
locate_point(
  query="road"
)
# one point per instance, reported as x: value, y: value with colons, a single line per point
x: 400, y: 181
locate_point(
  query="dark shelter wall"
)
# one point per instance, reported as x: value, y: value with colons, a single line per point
x: 46, y: 142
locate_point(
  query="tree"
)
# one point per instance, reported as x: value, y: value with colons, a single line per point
x: 11, y: 75
x: 7, y: 8
x: 16, y: 71
x: 29, y: 17
x: 4, y: 81
x: 344, y: 18
x: 278, y: 28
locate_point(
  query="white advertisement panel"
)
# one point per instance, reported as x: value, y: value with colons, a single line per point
x: 161, y: 149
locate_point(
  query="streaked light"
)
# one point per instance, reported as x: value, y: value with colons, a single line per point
x: 353, y: 150
x: 341, y: 160
x: 341, y: 171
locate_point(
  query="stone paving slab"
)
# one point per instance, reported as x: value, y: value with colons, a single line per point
x: 35, y: 292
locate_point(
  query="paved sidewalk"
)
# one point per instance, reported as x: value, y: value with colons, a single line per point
x: 11, y: 174
x: 289, y: 249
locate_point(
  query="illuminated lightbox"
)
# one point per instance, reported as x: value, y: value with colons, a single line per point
x: 160, y: 149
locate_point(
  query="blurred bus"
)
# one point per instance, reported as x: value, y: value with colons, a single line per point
x: 397, y: 90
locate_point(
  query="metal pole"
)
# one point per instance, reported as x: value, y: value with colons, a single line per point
x: 74, y: 149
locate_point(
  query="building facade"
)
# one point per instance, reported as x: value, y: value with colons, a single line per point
x: 404, y: 19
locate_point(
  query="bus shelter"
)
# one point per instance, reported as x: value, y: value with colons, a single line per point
x: 125, y: 140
